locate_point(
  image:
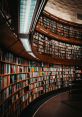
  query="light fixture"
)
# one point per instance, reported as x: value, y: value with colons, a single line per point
x: 26, y: 13
x: 27, y: 10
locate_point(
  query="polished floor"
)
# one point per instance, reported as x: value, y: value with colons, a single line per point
x: 62, y: 105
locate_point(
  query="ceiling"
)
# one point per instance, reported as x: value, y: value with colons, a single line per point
x: 70, y: 10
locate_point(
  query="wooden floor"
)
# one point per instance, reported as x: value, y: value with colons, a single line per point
x: 62, y: 105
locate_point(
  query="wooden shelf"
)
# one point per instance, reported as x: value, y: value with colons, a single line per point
x: 59, y: 29
x: 53, y: 51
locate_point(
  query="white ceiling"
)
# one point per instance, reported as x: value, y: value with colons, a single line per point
x: 65, y: 9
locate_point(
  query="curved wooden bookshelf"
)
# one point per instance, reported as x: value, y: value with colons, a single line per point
x: 52, y: 51
x: 59, y: 29
x: 44, y: 31
x: 17, y: 93
x: 49, y: 59
x: 49, y: 45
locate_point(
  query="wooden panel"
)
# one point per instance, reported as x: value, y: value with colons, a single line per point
x: 9, y: 42
x: 7, y: 37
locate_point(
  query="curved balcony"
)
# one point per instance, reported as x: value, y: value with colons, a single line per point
x: 57, y: 41
x: 59, y: 29
x: 50, y: 50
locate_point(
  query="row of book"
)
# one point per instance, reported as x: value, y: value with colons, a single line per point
x: 34, y: 85
x: 12, y: 89
x: 9, y: 68
x: 38, y: 78
x: 11, y: 79
x: 26, y: 92
x: 31, y: 82
x: 11, y: 58
x: 42, y: 38
x: 8, y: 80
x: 33, y: 94
x: 17, y: 97
x: 59, y: 28
x: 59, y: 72
x: 59, y: 49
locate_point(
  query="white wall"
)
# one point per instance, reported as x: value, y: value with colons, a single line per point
x: 65, y: 9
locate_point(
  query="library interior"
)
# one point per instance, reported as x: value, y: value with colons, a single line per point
x: 40, y: 58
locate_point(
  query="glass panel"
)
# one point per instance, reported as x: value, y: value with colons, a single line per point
x: 26, y: 13
x: 26, y: 44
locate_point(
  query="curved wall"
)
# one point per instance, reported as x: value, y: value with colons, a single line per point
x: 65, y: 9
x: 22, y: 81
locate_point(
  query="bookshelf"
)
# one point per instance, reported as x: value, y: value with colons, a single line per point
x: 13, y: 84
x: 56, y: 49
x: 56, y: 26
x: 78, y: 72
x: 22, y: 81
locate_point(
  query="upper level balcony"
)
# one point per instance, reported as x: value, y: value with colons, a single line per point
x: 57, y: 41
x: 60, y: 29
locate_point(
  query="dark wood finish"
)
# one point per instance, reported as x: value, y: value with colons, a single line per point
x: 61, y: 105
x: 9, y: 41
